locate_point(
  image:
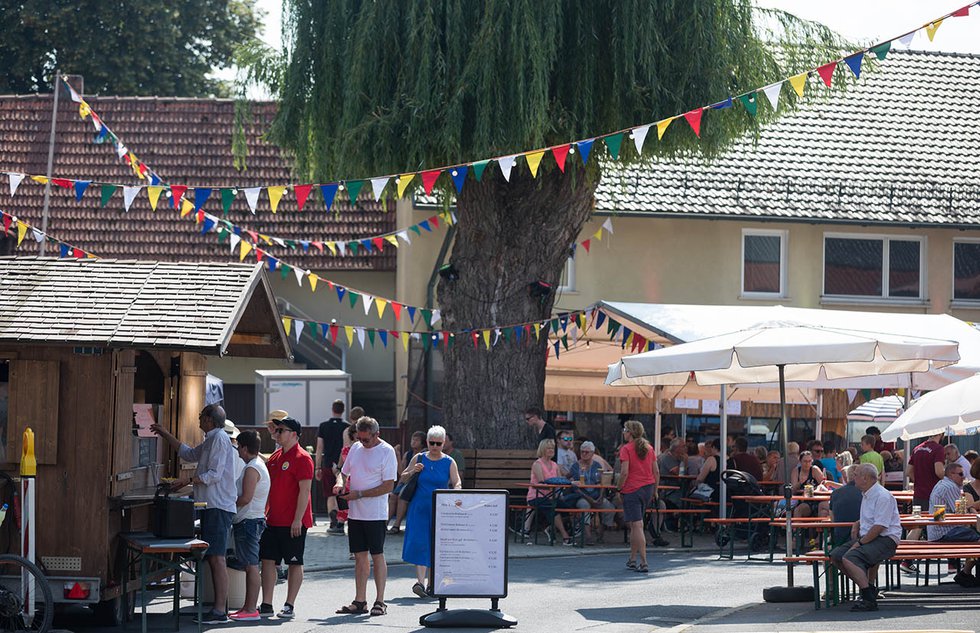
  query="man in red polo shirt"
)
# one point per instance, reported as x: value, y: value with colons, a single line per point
x: 289, y: 514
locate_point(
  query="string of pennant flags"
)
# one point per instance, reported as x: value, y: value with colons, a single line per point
x: 400, y: 184
x: 22, y: 229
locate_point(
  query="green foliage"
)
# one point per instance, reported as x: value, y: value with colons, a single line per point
x: 123, y: 47
x: 384, y: 86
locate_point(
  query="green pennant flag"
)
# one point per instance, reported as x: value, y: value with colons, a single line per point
x: 370, y: 334
x: 222, y: 234
x: 750, y: 102
x: 291, y: 245
x: 415, y: 229
x: 452, y: 340
x: 478, y: 169
x: 352, y: 296
x: 284, y: 270
x: 352, y: 246
x: 354, y: 188
x: 881, y: 50
x: 554, y: 326
x: 612, y: 328
x: 107, y: 191
x: 564, y: 342
x: 313, y: 330
x: 505, y: 334
x: 427, y: 315
x: 614, y: 142
x: 426, y: 341
x: 227, y: 197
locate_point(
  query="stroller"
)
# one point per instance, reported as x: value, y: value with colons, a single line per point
x: 739, y: 483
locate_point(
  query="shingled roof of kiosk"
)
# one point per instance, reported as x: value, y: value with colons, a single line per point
x: 210, y: 308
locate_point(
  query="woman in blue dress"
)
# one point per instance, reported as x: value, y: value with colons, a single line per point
x: 436, y: 470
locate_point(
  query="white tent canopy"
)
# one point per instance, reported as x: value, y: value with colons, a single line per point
x: 954, y: 409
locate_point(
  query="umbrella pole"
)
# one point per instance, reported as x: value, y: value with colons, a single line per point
x: 787, y: 486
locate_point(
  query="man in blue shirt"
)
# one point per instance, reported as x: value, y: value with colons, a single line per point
x: 946, y: 493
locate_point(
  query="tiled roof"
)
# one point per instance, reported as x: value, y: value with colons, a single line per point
x: 186, y: 141
x: 114, y: 303
x: 899, y: 146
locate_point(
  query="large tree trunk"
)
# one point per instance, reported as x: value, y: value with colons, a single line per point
x: 509, y: 235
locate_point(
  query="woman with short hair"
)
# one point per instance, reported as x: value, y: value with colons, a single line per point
x: 249, y: 522
x: 542, y: 469
x: 637, y: 485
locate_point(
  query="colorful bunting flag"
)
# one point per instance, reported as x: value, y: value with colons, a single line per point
x: 826, y: 72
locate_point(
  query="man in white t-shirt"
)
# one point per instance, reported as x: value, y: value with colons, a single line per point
x: 371, y: 468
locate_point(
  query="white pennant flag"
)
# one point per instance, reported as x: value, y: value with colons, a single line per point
x: 772, y: 92
x: 38, y: 236
x: 342, y: 248
x: 453, y: 214
x: 121, y: 150
x: 608, y: 225
x: 15, y: 182
x: 278, y: 241
x: 378, y: 185
x: 360, y: 336
x: 496, y: 336
x: 851, y: 394
x: 506, y: 164
x: 640, y: 135
x: 129, y: 194
x: 74, y: 95
x: 252, y: 196
x: 404, y: 236
x: 298, y: 328
x: 416, y: 336
x: 906, y: 40
x: 234, y: 242
x: 368, y: 300
x: 300, y: 274
x: 435, y: 317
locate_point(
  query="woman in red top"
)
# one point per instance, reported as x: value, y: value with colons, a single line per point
x: 637, y: 485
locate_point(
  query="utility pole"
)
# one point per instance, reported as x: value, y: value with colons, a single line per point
x: 47, y: 184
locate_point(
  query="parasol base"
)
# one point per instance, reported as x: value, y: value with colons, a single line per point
x: 787, y: 594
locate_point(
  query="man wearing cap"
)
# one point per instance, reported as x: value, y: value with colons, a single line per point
x: 271, y: 420
x: 289, y: 514
x: 233, y: 434
x: 214, y: 484
x: 329, y: 443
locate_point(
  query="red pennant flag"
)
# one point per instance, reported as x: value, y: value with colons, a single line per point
x: 199, y: 216
x: 302, y: 193
x: 397, y: 308
x: 586, y: 245
x: 177, y: 192
x: 318, y: 245
x: 254, y: 236
x: 429, y: 180
x: 64, y: 183
x: 476, y: 340
x: 961, y: 13
x: 694, y: 120
x: 561, y: 153
x: 333, y: 333
x: 826, y: 72
x: 435, y: 221
x: 77, y: 253
x: 6, y: 223
x: 378, y: 243
x: 259, y: 254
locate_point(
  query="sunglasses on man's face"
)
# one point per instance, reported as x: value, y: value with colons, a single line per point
x: 567, y: 439
x: 365, y: 439
x: 281, y: 429
x: 431, y: 443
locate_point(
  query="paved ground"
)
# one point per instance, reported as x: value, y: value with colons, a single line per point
x: 561, y: 589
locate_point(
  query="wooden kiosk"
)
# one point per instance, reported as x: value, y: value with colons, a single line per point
x: 81, y: 343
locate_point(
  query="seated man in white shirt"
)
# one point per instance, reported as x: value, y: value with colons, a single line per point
x: 874, y: 537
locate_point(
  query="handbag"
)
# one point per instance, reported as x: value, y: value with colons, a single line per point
x: 703, y: 492
x: 408, y: 490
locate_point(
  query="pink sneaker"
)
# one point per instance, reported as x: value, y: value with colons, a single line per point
x: 244, y: 616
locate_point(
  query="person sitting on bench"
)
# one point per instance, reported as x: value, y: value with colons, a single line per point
x: 946, y: 493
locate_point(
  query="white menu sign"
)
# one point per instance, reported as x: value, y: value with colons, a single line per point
x: 469, y: 547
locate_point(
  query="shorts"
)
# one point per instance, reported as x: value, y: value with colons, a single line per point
x: 215, y: 525
x: 959, y: 534
x: 868, y: 555
x: 278, y: 545
x: 247, y: 534
x: 329, y: 480
x: 366, y: 536
x: 635, y: 503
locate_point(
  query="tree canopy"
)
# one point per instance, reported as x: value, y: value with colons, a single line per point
x: 123, y: 47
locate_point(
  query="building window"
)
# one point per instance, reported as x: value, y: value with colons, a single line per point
x: 882, y: 267
x: 568, y: 275
x: 966, y: 271
x: 764, y: 263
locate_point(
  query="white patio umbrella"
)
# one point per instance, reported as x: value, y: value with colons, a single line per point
x: 778, y: 352
x: 954, y: 409
x: 884, y: 409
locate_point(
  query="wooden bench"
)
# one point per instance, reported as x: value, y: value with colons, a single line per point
x: 505, y: 469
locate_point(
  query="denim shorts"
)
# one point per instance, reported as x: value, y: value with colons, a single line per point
x: 247, y: 534
x: 215, y: 525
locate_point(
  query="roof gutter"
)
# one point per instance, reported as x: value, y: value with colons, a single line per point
x: 766, y: 218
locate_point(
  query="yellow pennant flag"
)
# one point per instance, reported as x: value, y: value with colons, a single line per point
x: 403, y: 182
x: 333, y: 249
x: 932, y: 28
x: 349, y: 331
x: 391, y: 239
x: 598, y: 235
x: 287, y: 324
x: 84, y: 110
x: 244, y: 250
x: 154, y: 194
x: 275, y: 195
x: 486, y: 338
x: 40, y: 179
x: 21, y: 232
x: 266, y: 239
x: 662, y: 127
x: 799, y: 83
x: 533, y: 161
x: 313, y: 279
x: 186, y: 206
x: 580, y: 320
x: 405, y: 336
x: 537, y: 331
x: 380, y: 304
x: 629, y: 340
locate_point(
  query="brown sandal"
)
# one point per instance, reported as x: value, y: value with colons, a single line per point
x: 379, y: 608
x: 354, y: 608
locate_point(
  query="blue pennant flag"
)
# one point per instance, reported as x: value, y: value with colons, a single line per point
x: 722, y: 105
x: 584, y: 149
x: 80, y: 187
x: 201, y: 196
x: 207, y: 225
x: 425, y: 225
x: 329, y: 193
x: 854, y: 63
x: 599, y: 319
x: 306, y: 246
x: 154, y: 179
x: 459, y: 176
x: 65, y: 249
x: 563, y: 320
x: 411, y: 314
x: 324, y: 328
x: 340, y: 292
x: 273, y: 262
x: 101, y: 135
x: 367, y: 245
x: 557, y: 347
x: 518, y: 330
x: 383, y: 334
x: 626, y: 335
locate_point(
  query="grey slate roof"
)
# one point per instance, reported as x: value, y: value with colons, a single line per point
x: 131, y: 304
x: 899, y: 146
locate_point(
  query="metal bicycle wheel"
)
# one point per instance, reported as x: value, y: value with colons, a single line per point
x: 13, y: 571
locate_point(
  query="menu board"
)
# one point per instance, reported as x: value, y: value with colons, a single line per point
x: 469, y: 544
